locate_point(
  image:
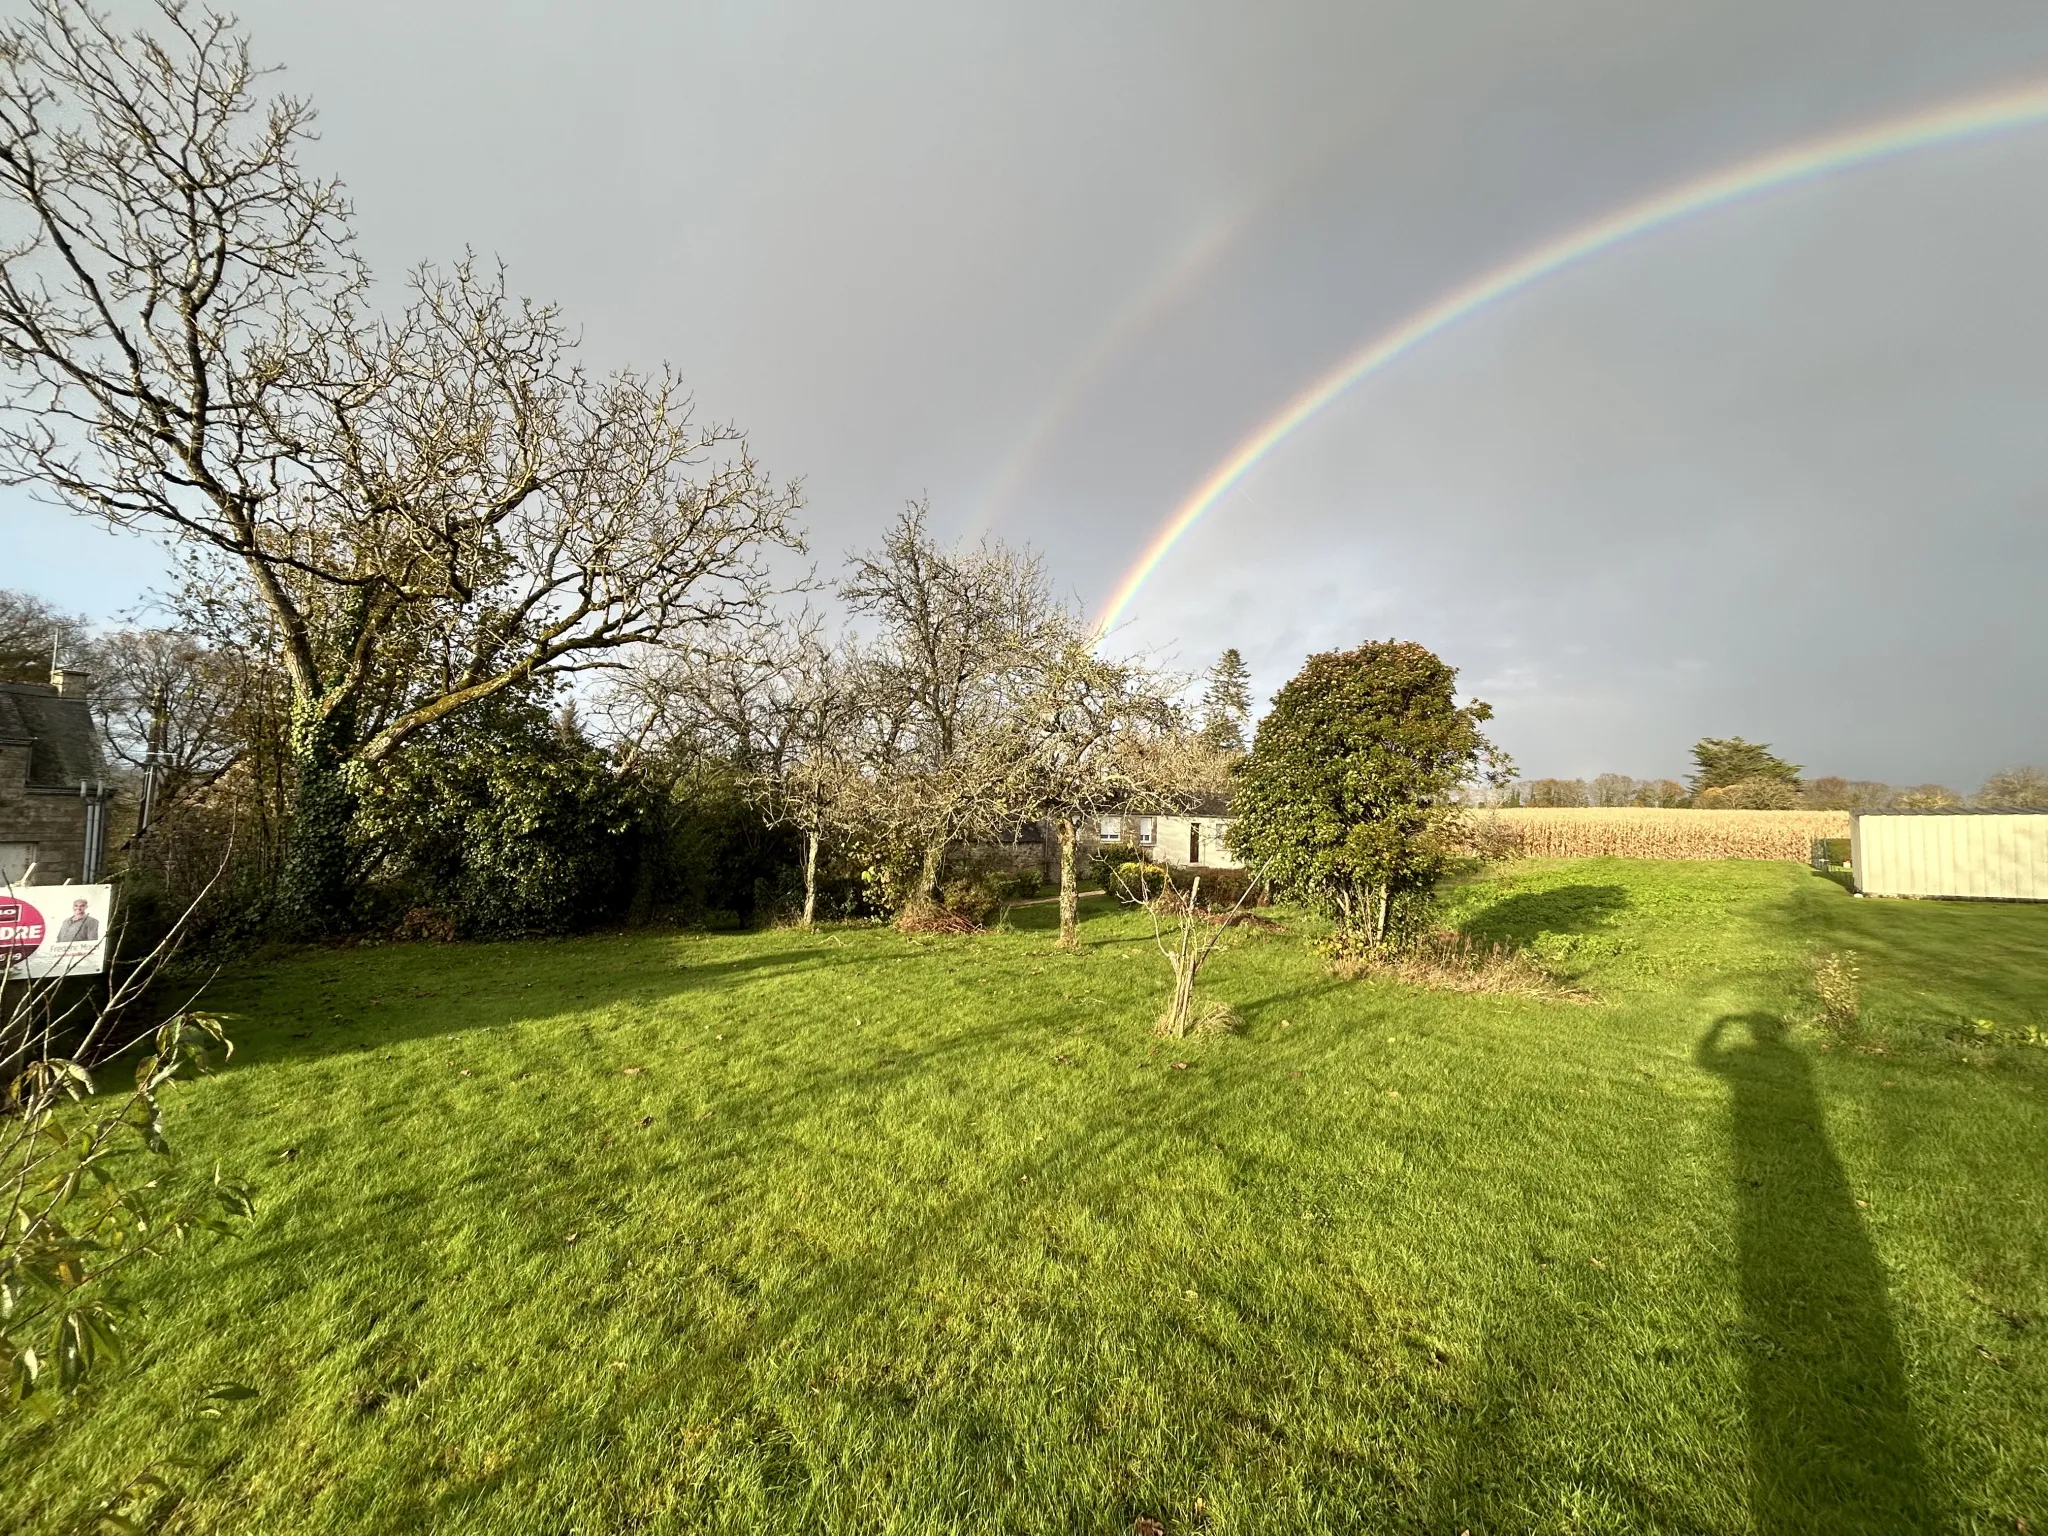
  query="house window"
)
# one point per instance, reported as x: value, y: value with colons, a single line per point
x: 1111, y: 829
x: 1144, y: 831
x: 15, y: 859
x: 1194, y: 842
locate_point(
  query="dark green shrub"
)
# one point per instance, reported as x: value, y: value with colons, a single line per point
x: 706, y: 860
x: 1220, y: 888
x: 1349, y: 797
x: 972, y: 897
x: 503, y: 823
x: 1018, y: 885
x: 1108, y: 859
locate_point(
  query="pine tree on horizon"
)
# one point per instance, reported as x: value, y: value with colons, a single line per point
x: 1227, y: 703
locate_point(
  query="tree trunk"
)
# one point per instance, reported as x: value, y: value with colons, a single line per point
x: 810, y: 877
x: 1070, y: 888
x: 316, y: 893
x: 1379, y: 927
x: 928, y: 872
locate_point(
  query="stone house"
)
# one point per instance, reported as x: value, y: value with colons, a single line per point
x: 1194, y: 839
x: 53, y: 794
x: 1179, y: 842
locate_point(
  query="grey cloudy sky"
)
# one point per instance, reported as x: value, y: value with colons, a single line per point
x: 1778, y: 470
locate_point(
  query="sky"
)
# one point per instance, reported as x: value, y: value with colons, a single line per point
x: 1777, y: 470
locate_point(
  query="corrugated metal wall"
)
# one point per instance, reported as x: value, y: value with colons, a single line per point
x: 1996, y: 856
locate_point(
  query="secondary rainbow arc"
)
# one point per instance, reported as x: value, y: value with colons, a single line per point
x: 1929, y: 129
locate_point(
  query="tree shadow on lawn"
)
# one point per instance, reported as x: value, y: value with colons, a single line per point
x: 471, y: 992
x: 378, y: 999
x: 1519, y: 920
x: 1833, y: 1444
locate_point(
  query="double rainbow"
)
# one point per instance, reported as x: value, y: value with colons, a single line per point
x: 1801, y: 162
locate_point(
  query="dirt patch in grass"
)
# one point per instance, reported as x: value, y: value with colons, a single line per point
x: 1448, y: 961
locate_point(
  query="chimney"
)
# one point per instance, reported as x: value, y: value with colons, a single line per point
x: 72, y: 682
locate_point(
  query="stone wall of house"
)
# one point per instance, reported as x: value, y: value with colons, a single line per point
x: 1173, y: 841
x: 52, y: 821
x: 1184, y: 840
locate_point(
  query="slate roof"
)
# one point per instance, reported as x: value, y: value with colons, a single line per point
x: 1200, y: 805
x: 63, y: 747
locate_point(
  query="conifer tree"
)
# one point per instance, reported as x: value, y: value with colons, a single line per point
x: 1227, y: 703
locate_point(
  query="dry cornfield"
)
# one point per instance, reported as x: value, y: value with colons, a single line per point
x: 1523, y: 831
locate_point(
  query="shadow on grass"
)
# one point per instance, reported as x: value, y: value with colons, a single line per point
x: 1832, y: 1441
x: 489, y: 986
x: 1522, y: 918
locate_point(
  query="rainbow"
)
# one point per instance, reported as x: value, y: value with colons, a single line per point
x: 1896, y: 136
x: 1181, y: 277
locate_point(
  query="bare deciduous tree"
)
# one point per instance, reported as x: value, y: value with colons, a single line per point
x: 32, y: 632
x: 959, y: 633
x: 428, y: 509
x: 1193, y: 939
x: 1095, y: 726
x: 778, y: 704
x: 175, y: 707
x: 815, y: 780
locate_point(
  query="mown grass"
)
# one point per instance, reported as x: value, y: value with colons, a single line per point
x: 852, y: 1232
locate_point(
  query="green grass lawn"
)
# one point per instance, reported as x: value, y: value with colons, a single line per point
x: 855, y: 1232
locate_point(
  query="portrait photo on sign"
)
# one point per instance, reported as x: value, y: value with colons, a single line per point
x: 54, y: 930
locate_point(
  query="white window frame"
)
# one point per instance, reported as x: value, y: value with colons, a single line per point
x: 1110, y: 829
x: 1147, y: 827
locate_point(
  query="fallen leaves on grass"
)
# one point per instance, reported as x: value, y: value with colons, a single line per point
x: 930, y: 917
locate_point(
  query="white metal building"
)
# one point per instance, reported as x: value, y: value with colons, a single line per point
x: 1973, y: 855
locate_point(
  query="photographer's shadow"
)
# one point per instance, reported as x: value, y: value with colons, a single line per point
x: 1832, y: 1442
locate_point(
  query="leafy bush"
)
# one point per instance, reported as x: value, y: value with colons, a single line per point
x: 1108, y: 859
x: 998, y: 873
x: 1019, y: 885
x: 972, y: 898
x: 1220, y: 888
x: 1136, y: 881
x: 704, y: 858
x: 1349, y: 797
x: 503, y: 823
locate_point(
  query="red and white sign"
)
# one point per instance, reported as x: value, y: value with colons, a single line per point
x: 54, y: 930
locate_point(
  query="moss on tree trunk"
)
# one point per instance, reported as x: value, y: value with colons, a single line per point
x: 316, y: 892
x: 1070, y: 888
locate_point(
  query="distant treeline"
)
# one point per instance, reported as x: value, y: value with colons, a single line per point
x: 2023, y: 788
